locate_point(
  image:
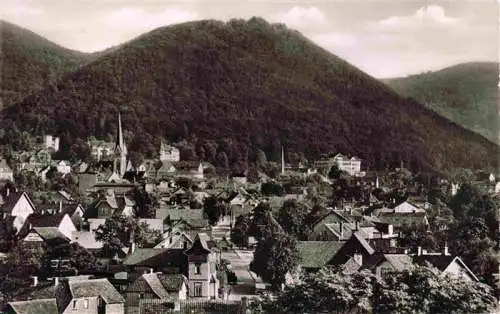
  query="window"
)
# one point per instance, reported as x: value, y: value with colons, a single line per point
x: 197, y: 269
x: 197, y: 289
x: 74, y: 305
x: 86, y: 303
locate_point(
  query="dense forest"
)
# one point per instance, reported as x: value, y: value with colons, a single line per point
x: 29, y: 61
x: 466, y: 94
x: 230, y: 89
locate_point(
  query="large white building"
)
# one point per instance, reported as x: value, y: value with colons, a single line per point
x: 169, y: 153
x: 51, y: 142
x: 350, y: 165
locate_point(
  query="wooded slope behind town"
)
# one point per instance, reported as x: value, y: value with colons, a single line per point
x: 247, y: 85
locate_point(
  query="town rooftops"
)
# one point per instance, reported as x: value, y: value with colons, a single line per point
x: 37, y: 306
x: 95, y: 287
x: 316, y: 254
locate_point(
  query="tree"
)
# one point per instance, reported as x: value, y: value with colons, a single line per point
x: 144, y: 203
x: 146, y: 237
x: 274, y: 258
x: 272, y: 188
x: 418, y: 290
x: 222, y: 161
x: 326, y: 291
x: 213, y: 209
x: 239, y: 232
x: 118, y: 232
x: 292, y: 217
x: 7, y: 235
x: 261, y: 159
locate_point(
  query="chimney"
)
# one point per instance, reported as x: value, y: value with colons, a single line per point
x: 56, y: 281
x: 341, y: 230
x: 7, y: 192
x: 60, y: 206
x: 357, y: 225
x: 406, y: 252
x: 419, y: 251
x: 35, y: 281
x: 358, y: 258
x: 446, y: 252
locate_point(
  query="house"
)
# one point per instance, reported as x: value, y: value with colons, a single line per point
x: 167, y: 288
x: 109, y: 204
x: 165, y: 170
x: 61, y: 221
x: 62, y: 166
x: 79, y: 295
x: 331, y: 226
x: 176, y: 239
x: 202, y: 272
x: 193, y: 170
x: 51, y: 142
x: 382, y: 264
x: 445, y: 264
x: 169, y: 153
x: 6, y: 172
x: 197, y: 263
x: 44, y: 237
x: 403, y: 215
x: 16, y: 204
x: 350, y: 165
x: 101, y: 149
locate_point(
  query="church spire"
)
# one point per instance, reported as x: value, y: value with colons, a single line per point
x: 119, y: 135
x: 121, y: 148
x: 282, y: 160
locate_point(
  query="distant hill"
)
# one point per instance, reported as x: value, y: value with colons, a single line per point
x: 240, y: 86
x: 28, y: 61
x: 466, y: 94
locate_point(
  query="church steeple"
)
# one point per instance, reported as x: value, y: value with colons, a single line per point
x: 121, y: 148
x: 282, y: 160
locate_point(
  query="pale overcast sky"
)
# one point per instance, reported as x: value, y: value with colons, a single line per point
x: 383, y: 38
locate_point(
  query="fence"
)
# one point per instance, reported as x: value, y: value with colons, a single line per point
x: 192, y: 307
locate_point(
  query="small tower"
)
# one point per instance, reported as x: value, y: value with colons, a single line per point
x: 203, y: 282
x: 121, y: 148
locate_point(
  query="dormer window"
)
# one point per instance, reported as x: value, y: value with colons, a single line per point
x: 197, y: 269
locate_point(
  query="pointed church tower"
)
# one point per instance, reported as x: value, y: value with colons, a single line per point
x: 121, y: 148
x: 282, y: 160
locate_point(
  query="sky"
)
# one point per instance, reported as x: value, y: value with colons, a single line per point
x: 383, y: 38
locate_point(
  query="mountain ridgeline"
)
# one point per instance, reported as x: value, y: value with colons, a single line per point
x: 29, y: 61
x: 245, y: 85
x: 466, y: 94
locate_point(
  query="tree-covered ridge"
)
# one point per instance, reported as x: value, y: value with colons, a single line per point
x: 466, y: 94
x: 29, y: 61
x: 253, y: 85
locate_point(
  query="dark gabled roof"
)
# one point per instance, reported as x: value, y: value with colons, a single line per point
x: 38, y: 306
x: 356, y: 236
x: 155, y: 257
x: 51, y: 235
x: 316, y: 254
x: 45, y: 220
x: 95, y: 287
x: 200, y: 244
x: 11, y: 200
x: 441, y: 262
x: 399, y: 262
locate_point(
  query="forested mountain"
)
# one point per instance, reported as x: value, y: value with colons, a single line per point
x: 29, y: 61
x: 466, y: 94
x: 240, y: 86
